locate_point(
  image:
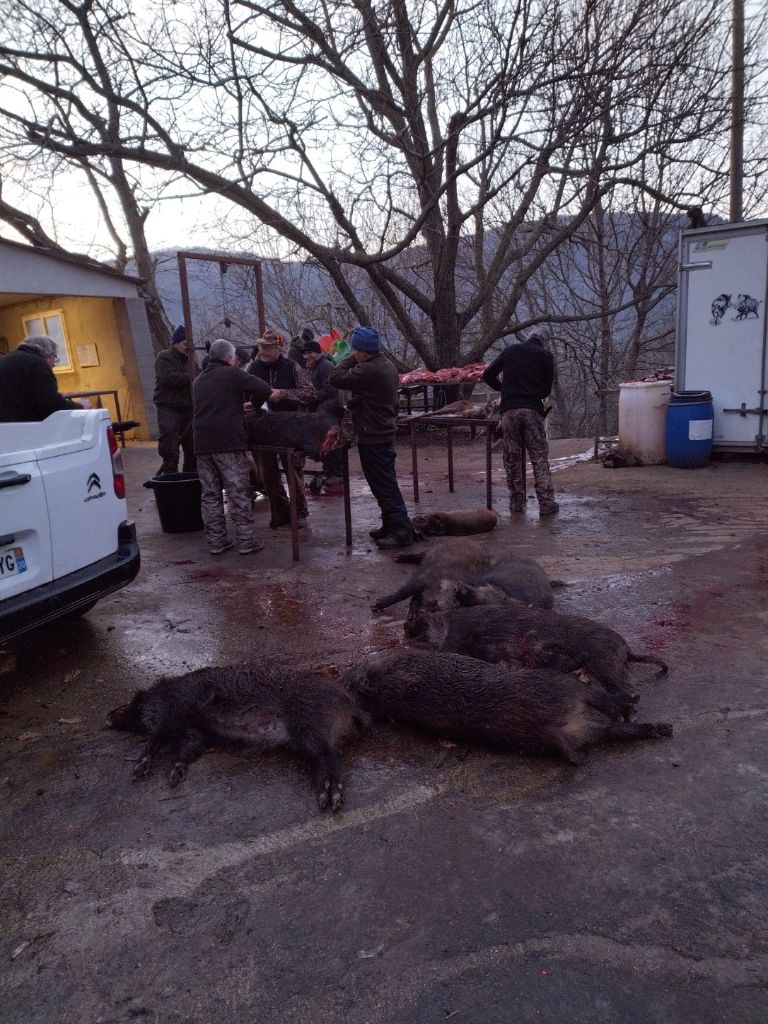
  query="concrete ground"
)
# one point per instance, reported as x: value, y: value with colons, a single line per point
x: 457, y: 884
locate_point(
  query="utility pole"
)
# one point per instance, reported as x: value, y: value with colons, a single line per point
x: 737, y: 111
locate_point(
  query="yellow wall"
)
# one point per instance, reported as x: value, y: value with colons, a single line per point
x: 88, y: 321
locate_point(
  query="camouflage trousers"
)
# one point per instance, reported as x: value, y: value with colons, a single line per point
x: 523, y: 431
x: 231, y: 472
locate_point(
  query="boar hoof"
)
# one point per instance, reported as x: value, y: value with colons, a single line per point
x: 323, y: 795
x: 330, y: 795
x: 142, y: 767
x: 337, y: 797
x: 178, y: 774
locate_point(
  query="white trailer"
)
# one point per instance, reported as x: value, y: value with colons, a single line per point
x: 721, y: 328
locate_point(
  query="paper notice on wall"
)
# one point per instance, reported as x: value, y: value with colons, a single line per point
x: 87, y: 355
x: 700, y: 430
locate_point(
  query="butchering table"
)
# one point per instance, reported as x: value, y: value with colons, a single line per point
x: 450, y: 423
x: 287, y: 454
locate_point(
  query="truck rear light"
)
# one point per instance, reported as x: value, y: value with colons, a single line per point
x: 118, y: 471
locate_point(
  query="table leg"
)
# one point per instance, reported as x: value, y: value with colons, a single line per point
x: 488, y: 470
x: 119, y: 418
x: 450, y: 458
x: 414, y: 463
x: 347, y: 502
x: 286, y: 454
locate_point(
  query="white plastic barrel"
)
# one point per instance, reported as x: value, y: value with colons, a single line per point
x: 642, y: 419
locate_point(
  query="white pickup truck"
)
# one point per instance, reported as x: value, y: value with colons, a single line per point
x: 65, y: 539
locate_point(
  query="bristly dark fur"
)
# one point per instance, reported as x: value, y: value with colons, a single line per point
x: 527, y: 711
x: 306, y: 432
x: 252, y: 706
x: 455, y: 570
x: 539, y: 638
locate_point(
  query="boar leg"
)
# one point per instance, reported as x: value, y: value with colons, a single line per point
x: 637, y: 730
x: 325, y: 765
x: 148, y: 751
x: 407, y: 590
x: 190, y: 748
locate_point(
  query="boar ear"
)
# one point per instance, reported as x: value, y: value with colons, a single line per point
x: 465, y: 595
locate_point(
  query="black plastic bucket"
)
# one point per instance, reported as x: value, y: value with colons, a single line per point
x: 177, y: 496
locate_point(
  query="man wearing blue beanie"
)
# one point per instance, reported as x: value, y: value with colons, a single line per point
x: 373, y: 381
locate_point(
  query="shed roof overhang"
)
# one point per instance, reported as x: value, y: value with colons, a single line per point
x: 31, y: 273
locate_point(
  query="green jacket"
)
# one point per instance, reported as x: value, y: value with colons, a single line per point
x: 172, y: 383
x: 374, y: 404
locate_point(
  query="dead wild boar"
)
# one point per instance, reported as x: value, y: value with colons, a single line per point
x: 253, y: 707
x: 454, y: 523
x: 313, y: 433
x: 460, y: 567
x: 533, y: 711
x: 539, y: 638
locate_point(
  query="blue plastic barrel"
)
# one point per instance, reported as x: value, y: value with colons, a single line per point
x: 689, y: 428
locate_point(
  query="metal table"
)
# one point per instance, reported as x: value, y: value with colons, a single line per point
x: 450, y: 422
x: 293, y: 497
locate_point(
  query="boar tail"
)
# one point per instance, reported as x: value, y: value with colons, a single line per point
x: 649, y: 659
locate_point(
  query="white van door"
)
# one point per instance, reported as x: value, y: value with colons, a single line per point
x: 79, y: 488
x: 25, y: 541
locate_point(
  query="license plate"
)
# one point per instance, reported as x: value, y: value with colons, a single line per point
x: 12, y: 562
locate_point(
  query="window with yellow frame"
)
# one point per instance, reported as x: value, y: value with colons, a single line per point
x: 51, y: 322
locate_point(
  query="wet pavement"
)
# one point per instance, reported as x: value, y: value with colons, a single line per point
x: 457, y: 884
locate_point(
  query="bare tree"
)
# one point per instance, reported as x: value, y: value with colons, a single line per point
x: 444, y: 150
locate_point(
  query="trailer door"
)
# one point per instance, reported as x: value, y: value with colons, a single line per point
x: 721, y: 338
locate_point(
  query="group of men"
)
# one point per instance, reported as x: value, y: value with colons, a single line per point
x: 211, y: 431
x: 206, y: 419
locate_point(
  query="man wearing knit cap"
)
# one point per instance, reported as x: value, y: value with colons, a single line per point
x: 173, y: 398
x: 524, y: 374
x: 373, y: 381
x: 296, y: 350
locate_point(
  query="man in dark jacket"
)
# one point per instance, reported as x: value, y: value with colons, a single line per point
x: 328, y: 398
x: 292, y: 390
x: 173, y: 398
x: 524, y: 374
x: 28, y: 389
x: 373, y: 381
x: 221, y: 446
x: 296, y: 349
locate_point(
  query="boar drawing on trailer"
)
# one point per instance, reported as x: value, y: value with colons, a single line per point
x: 719, y: 306
x: 746, y: 306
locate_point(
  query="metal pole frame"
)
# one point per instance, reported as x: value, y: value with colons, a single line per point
x: 182, y: 258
